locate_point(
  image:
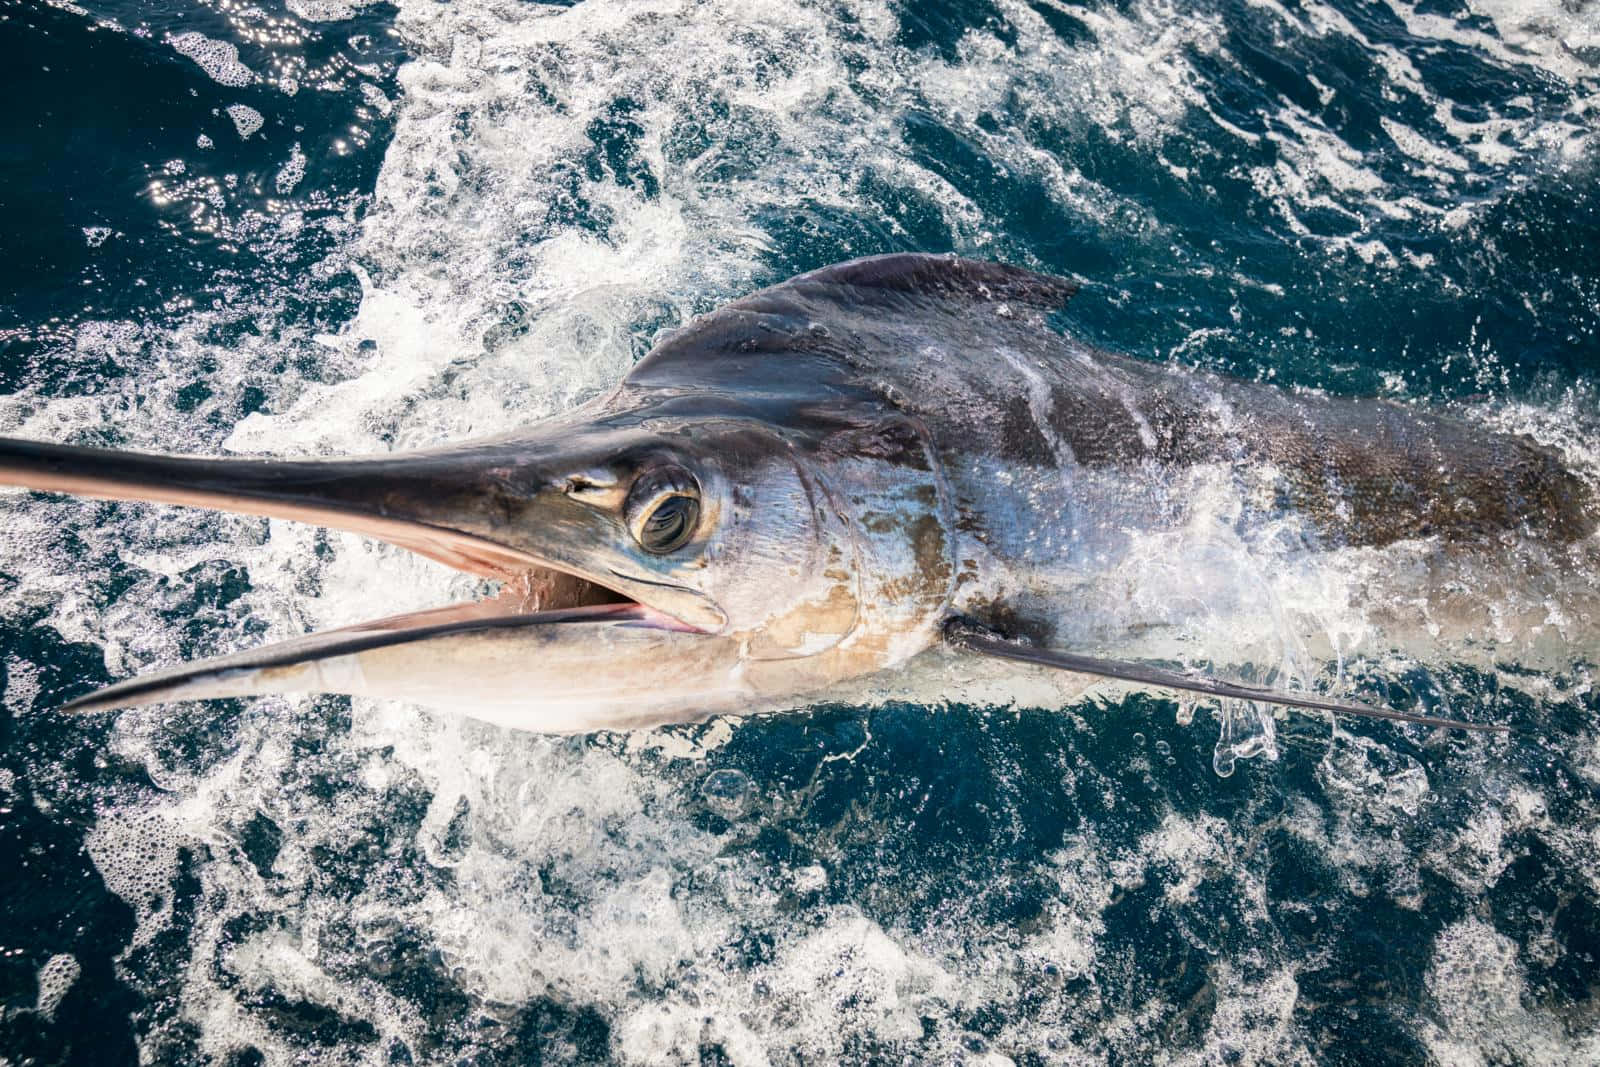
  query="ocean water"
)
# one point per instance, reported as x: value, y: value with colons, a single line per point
x: 319, y: 226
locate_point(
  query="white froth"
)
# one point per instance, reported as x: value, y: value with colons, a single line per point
x: 55, y: 979
x: 1560, y: 36
x: 1255, y: 1023
x: 1318, y: 170
x: 375, y: 98
x: 246, y: 119
x: 291, y: 172
x: 136, y: 852
x: 1480, y: 990
x: 327, y: 10
x: 219, y: 59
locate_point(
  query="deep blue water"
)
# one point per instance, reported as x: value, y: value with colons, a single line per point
x: 501, y: 205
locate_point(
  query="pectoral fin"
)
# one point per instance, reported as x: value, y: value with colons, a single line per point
x: 964, y: 634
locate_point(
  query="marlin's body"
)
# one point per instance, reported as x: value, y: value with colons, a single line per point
x: 798, y: 492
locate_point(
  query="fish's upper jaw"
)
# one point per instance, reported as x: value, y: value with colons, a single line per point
x: 497, y: 510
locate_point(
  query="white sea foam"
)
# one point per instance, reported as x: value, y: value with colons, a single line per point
x: 1560, y: 36
x: 1318, y: 170
x: 246, y: 119
x: 219, y: 59
x: 55, y: 980
x: 291, y: 172
x: 1480, y: 991
x: 327, y: 10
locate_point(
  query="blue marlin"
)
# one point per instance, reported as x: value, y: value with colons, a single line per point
x: 896, y: 476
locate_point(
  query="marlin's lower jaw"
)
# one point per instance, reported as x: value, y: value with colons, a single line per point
x: 573, y: 661
x: 605, y: 666
x: 585, y: 659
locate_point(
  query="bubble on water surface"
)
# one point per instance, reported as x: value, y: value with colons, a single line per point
x: 727, y: 792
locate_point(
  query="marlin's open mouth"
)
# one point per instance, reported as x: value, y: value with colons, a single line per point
x: 573, y: 632
x: 536, y: 597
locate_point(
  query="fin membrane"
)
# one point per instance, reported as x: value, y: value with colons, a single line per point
x: 964, y: 634
x: 926, y: 276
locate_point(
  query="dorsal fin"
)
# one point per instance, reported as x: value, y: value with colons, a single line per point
x: 816, y: 323
x: 947, y: 277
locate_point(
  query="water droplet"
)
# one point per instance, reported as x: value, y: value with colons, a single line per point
x: 727, y: 792
x: 1138, y: 739
x: 1163, y: 748
x: 1247, y: 731
x: 1185, y: 712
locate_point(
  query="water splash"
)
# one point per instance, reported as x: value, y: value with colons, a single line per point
x: 1248, y: 730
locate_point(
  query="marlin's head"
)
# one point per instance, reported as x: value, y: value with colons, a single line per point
x: 726, y: 521
x: 662, y: 555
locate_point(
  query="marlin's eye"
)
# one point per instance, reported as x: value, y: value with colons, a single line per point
x: 663, y: 509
